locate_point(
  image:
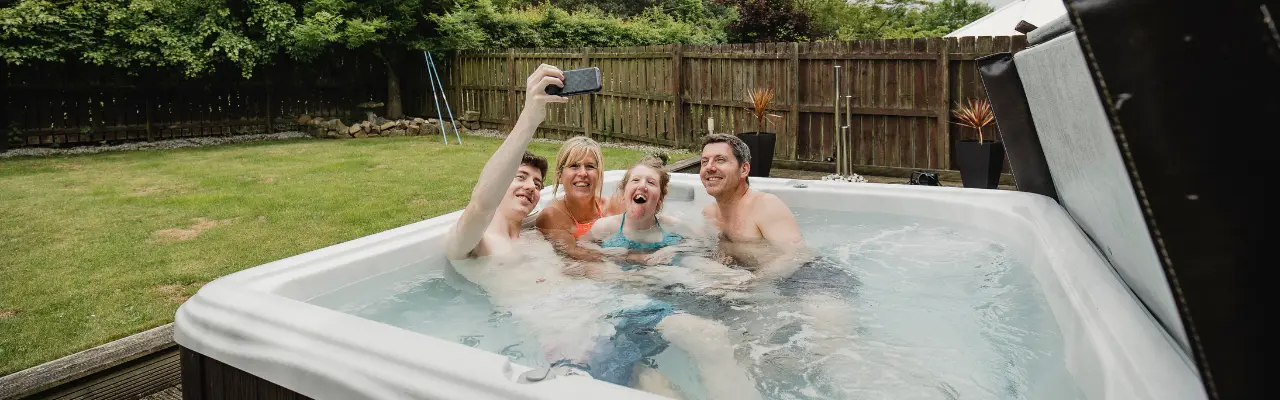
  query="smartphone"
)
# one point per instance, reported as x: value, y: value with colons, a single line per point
x: 577, y: 81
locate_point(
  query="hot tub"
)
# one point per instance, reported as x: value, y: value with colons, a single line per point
x: 306, y: 325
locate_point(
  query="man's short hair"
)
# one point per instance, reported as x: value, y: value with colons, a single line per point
x: 740, y: 150
x: 536, y: 161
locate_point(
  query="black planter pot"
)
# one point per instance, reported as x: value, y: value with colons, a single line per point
x: 980, y: 163
x: 761, y: 145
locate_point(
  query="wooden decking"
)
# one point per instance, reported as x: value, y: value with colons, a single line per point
x: 129, y: 368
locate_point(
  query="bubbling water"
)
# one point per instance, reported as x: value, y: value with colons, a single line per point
x: 934, y: 311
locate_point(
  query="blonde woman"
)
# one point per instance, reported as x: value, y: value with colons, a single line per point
x: 579, y: 169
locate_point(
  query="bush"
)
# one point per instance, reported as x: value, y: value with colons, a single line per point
x: 765, y: 21
x: 478, y: 24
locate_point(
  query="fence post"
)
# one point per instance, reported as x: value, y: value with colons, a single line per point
x: 793, y: 96
x: 677, y: 88
x: 147, y: 105
x: 270, y: 123
x: 587, y: 112
x: 944, y: 103
x: 512, y: 108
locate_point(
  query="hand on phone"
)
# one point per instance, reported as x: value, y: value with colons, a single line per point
x: 576, y: 82
x: 546, y: 76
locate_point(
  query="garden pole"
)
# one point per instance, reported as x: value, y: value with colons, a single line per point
x: 431, y: 62
x: 435, y: 95
x: 836, y: 109
x: 846, y: 141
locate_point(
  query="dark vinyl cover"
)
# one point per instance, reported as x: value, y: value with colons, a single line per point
x: 1192, y: 89
x: 1017, y: 131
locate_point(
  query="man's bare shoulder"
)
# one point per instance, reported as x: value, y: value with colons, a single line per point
x: 769, y: 203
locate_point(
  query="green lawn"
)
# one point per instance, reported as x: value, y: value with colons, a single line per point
x: 95, y: 248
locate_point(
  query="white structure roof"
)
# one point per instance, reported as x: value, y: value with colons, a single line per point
x: 1002, y: 21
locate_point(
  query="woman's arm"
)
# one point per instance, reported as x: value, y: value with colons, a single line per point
x: 501, y: 168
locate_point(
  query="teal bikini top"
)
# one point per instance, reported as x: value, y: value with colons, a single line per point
x: 620, y: 240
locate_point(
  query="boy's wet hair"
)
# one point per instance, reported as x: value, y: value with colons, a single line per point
x: 536, y: 161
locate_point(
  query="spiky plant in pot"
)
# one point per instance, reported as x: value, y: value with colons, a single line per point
x: 761, y: 142
x: 976, y: 115
x: 979, y: 161
x: 758, y: 101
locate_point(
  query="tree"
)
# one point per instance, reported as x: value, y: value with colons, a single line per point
x: 949, y: 15
x: 769, y: 21
x: 883, y: 19
x: 479, y: 24
x: 387, y: 29
x: 194, y: 36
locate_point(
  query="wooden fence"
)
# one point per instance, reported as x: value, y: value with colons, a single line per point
x: 902, y: 92
x: 57, y: 103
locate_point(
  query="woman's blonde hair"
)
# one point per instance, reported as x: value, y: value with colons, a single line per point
x: 577, y: 149
x: 664, y: 177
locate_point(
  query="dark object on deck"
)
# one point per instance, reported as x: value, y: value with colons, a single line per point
x: 1017, y: 129
x: 204, y: 378
x: 923, y: 178
x: 1050, y: 30
x: 1159, y: 67
x: 761, y: 145
x: 980, y: 163
x: 1023, y: 27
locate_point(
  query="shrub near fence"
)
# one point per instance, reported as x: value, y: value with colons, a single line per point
x: 902, y: 94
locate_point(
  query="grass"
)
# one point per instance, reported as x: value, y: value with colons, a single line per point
x: 95, y: 248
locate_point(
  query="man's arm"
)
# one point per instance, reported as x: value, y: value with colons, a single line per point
x: 501, y: 168
x: 776, y: 222
x: 779, y: 227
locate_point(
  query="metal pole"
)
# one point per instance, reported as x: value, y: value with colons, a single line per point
x: 436, y: 96
x: 431, y: 61
x: 836, y: 107
x: 848, y: 152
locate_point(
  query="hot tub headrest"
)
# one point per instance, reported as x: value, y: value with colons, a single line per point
x: 680, y: 192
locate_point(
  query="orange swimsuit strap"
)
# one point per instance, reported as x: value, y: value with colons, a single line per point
x: 582, y: 228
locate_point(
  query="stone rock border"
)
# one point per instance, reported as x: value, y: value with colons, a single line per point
x: 375, y: 126
x: 156, y: 145
x: 319, y: 128
x: 853, y: 178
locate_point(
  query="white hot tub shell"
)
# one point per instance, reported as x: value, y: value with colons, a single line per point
x: 259, y: 321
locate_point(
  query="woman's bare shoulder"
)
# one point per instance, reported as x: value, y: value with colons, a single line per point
x: 551, y: 217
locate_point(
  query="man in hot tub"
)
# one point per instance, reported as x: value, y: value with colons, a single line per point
x: 579, y: 322
x: 758, y: 232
